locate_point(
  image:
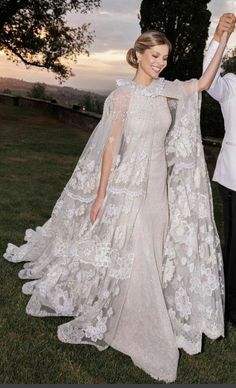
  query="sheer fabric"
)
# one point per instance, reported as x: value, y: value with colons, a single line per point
x: 193, y: 279
x: 85, y: 271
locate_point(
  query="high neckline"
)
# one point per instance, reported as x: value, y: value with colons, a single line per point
x: 152, y: 90
x: 133, y: 83
x: 143, y: 85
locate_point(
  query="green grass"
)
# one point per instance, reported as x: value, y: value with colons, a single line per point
x: 38, y: 155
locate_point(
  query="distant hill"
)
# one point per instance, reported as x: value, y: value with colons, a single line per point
x: 64, y: 95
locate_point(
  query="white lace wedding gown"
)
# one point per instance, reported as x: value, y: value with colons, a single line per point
x: 144, y: 330
x: 108, y: 276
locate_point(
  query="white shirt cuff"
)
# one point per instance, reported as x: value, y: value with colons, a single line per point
x: 213, y: 46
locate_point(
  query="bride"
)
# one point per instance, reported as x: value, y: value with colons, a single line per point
x: 131, y: 250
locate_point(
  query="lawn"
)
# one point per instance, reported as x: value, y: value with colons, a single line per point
x: 38, y: 155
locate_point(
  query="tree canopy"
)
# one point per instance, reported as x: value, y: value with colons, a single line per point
x: 229, y: 62
x: 185, y: 24
x: 38, y: 90
x: 36, y: 33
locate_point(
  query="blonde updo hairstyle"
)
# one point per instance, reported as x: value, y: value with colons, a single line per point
x: 145, y: 41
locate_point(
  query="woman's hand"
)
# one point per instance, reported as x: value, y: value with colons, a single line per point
x: 95, y: 209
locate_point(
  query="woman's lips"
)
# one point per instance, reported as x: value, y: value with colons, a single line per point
x: 157, y: 69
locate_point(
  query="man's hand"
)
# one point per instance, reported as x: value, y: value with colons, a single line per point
x: 226, y: 23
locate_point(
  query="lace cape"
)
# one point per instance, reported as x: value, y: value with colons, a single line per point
x: 82, y: 270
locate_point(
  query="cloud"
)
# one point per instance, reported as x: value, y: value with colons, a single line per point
x: 115, y: 23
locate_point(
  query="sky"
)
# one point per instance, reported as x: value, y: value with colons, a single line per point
x: 116, y: 27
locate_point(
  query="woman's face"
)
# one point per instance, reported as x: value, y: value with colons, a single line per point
x: 153, y: 60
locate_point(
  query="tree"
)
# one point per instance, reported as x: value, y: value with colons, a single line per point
x: 229, y: 62
x: 212, y: 122
x: 185, y: 24
x: 38, y: 91
x: 6, y: 91
x: 88, y: 102
x: 36, y: 33
x: 91, y: 104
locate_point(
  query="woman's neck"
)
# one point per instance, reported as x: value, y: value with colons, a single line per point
x: 142, y: 78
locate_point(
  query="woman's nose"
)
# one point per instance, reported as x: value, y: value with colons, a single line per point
x: 160, y: 63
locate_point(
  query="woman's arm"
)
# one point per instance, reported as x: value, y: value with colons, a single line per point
x: 226, y: 24
x: 209, y: 74
x: 107, y: 162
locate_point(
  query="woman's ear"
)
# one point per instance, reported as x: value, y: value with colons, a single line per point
x: 139, y: 57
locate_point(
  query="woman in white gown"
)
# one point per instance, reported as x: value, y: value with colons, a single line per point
x: 136, y: 269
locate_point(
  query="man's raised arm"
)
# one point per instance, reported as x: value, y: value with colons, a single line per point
x: 219, y: 89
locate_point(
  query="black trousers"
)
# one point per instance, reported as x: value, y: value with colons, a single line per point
x: 229, y: 251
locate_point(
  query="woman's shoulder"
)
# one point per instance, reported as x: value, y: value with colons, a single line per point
x: 118, y: 99
x: 121, y: 91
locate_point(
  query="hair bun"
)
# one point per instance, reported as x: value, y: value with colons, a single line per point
x: 131, y: 58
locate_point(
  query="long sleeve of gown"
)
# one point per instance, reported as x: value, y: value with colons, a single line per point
x: 115, y: 113
x: 192, y: 268
x: 107, y: 135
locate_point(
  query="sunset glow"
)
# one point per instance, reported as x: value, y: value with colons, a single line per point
x: 117, y: 26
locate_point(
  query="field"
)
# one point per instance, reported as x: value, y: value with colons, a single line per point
x: 38, y: 155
